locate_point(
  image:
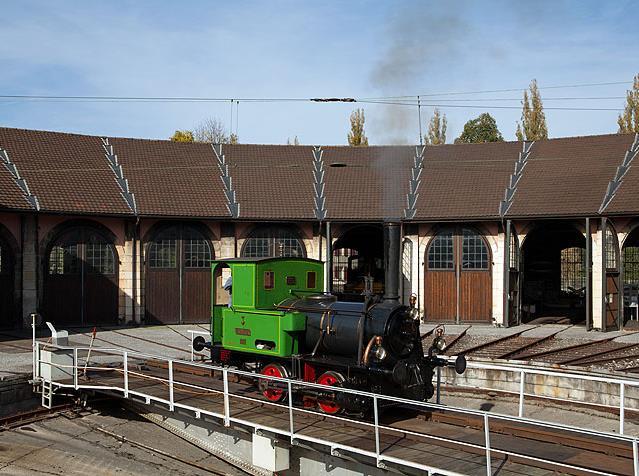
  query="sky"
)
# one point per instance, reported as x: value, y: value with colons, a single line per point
x: 304, y: 49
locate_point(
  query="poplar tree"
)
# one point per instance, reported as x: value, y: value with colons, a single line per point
x: 436, y: 129
x: 356, y: 136
x: 533, y: 120
x: 629, y: 121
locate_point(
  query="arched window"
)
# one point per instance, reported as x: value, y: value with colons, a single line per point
x: 407, y: 260
x: 79, y: 248
x: 440, y: 252
x: 341, y: 257
x: 474, y: 251
x: 573, y: 270
x: 612, y: 262
x: 273, y: 241
x: 514, y: 250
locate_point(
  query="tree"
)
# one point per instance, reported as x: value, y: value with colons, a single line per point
x: 212, y: 130
x: 296, y: 141
x: 182, y: 136
x: 481, y: 129
x: 629, y: 121
x: 436, y: 129
x: 533, y: 120
x: 356, y: 136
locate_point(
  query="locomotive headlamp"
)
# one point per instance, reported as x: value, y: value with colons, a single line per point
x: 439, y: 343
x: 380, y: 353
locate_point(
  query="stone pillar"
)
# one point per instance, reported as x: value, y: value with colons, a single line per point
x: 29, y: 267
x: 598, y: 277
x: 129, y: 276
x: 497, y: 244
x: 227, y: 241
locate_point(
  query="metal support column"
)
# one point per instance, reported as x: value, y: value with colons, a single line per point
x: 506, y: 290
x: 329, y: 259
x: 604, y: 290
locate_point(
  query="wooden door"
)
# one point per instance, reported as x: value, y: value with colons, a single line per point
x: 81, y: 280
x: 473, y: 260
x: 196, y: 269
x: 441, y: 279
x: 178, y: 277
x: 62, y: 294
x: 162, y: 279
x: 7, y: 306
x: 458, y: 277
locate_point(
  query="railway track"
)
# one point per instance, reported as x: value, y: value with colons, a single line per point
x: 608, y: 353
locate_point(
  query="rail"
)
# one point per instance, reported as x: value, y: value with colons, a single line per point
x: 122, y: 358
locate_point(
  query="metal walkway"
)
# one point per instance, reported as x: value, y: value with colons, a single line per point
x: 423, y: 436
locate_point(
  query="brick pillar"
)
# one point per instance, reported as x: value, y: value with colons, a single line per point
x: 29, y: 268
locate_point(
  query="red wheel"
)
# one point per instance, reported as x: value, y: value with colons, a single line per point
x: 333, y: 379
x: 268, y: 387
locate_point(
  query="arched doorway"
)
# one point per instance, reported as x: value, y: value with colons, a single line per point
x: 273, y: 240
x: 630, y: 259
x: 358, y: 255
x: 178, y: 275
x: 458, y: 277
x: 7, y: 280
x: 81, y: 278
x: 553, y: 272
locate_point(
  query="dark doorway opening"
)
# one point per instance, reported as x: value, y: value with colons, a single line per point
x: 7, y: 280
x: 178, y: 275
x: 553, y: 267
x: 358, y: 257
x: 81, y: 278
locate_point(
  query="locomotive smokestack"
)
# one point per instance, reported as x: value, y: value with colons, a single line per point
x: 391, y: 261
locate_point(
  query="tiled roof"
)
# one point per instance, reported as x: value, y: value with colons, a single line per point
x: 172, y: 178
x: 367, y: 182
x: 67, y: 172
x: 569, y: 177
x: 562, y: 177
x: 272, y: 181
x: 11, y: 197
x: 465, y: 180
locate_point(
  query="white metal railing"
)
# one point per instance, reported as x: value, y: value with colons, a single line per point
x: 524, y: 371
x: 123, y: 358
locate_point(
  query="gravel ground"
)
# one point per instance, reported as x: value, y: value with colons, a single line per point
x: 73, y: 445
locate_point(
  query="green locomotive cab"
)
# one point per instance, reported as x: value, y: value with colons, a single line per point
x: 246, y: 319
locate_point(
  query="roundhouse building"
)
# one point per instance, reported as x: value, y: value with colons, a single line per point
x: 103, y: 230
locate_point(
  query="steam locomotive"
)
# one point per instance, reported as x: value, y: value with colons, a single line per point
x: 279, y: 323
